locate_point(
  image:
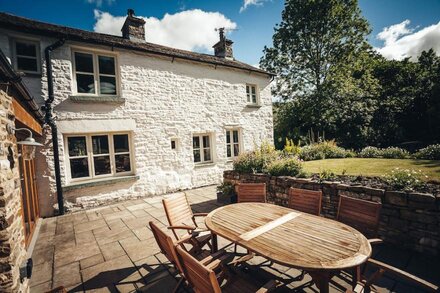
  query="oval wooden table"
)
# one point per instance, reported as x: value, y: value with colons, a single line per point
x: 288, y: 237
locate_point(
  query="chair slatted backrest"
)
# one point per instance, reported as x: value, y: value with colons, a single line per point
x: 251, y: 192
x: 360, y: 214
x: 178, y: 212
x: 201, y: 278
x: 304, y: 200
x: 166, y: 246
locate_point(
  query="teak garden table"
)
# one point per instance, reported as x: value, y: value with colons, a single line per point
x: 288, y: 237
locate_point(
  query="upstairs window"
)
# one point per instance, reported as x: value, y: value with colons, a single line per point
x: 94, y: 156
x: 202, y: 148
x: 232, y: 143
x: 251, y: 94
x: 27, y: 56
x: 95, y: 74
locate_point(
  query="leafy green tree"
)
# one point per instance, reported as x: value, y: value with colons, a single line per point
x: 315, y: 48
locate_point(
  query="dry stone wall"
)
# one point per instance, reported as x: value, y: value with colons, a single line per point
x: 410, y: 220
x: 12, y: 247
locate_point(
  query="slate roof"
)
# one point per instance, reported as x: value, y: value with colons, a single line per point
x: 30, y: 26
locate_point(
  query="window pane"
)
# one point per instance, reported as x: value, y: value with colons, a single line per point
x: 207, y: 154
x: 247, y: 89
x: 253, y: 90
x: 107, y: 85
x: 206, y: 141
x: 173, y: 144
x: 196, y: 142
x: 102, y: 165
x: 122, y: 163
x: 254, y: 99
x: 228, y: 136
x: 196, y: 155
x: 27, y: 64
x: 235, y: 136
x: 77, y: 146
x: 85, y: 83
x: 84, y: 62
x: 228, y: 151
x: 100, y: 144
x: 106, y: 65
x: 25, y: 49
x: 236, y: 150
x: 120, y: 142
x: 79, y: 168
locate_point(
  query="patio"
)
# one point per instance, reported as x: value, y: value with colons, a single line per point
x: 110, y: 249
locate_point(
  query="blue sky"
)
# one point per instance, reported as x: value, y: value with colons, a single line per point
x: 190, y: 29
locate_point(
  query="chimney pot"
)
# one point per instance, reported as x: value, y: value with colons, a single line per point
x: 130, y: 12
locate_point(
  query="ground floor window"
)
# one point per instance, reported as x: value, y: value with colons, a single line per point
x: 202, y: 150
x: 98, y: 155
x: 232, y: 143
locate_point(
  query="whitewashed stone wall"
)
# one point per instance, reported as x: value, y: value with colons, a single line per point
x: 166, y: 99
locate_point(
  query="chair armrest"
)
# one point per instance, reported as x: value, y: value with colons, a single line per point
x: 182, y: 227
x: 184, y: 239
x: 212, y: 257
x: 375, y: 241
x: 214, y: 264
x: 404, y: 275
x: 269, y: 286
x: 200, y: 215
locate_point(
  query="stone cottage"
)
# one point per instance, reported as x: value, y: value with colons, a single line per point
x: 132, y: 118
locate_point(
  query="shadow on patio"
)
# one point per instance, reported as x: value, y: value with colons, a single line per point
x: 110, y: 249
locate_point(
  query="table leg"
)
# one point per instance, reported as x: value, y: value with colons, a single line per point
x: 321, y: 280
x: 214, y: 244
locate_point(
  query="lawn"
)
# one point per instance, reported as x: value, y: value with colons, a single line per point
x: 373, y: 167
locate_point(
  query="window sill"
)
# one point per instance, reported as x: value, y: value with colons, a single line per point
x: 31, y: 74
x: 97, y: 99
x: 253, y: 106
x: 201, y: 165
x: 100, y: 182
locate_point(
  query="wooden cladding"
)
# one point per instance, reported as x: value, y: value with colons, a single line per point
x: 22, y: 115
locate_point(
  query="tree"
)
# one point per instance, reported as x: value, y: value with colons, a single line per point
x: 315, y: 42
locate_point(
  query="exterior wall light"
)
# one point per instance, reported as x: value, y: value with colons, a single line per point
x: 28, y: 144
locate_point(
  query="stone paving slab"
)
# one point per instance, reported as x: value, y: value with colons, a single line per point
x: 112, y: 249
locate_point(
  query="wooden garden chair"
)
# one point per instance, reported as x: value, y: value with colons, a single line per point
x: 367, y: 284
x: 183, y: 222
x: 304, y: 200
x: 362, y: 215
x: 204, y: 279
x: 251, y: 192
x: 168, y: 248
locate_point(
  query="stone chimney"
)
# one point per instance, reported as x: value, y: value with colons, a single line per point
x: 223, y: 48
x: 133, y: 28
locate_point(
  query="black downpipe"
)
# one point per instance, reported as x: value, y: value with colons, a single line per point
x: 49, y: 119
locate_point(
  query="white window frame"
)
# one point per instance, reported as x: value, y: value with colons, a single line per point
x: 202, y: 148
x: 96, y: 73
x: 90, y: 156
x: 249, y: 96
x: 15, y: 55
x: 232, y: 143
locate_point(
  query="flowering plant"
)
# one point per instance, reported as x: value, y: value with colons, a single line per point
x: 404, y: 179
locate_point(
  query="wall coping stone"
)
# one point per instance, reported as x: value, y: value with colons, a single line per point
x: 97, y: 99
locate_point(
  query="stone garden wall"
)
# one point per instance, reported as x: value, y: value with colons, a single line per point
x: 410, y: 220
x: 12, y: 247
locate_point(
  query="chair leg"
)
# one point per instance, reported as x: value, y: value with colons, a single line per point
x: 176, y: 289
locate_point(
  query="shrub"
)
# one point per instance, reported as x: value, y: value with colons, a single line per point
x: 394, y: 153
x: 226, y: 188
x: 431, y: 152
x: 326, y: 175
x: 289, y: 166
x: 256, y: 161
x: 370, y: 152
x: 404, y: 179
x: 324, y: 150
x: 291, y: 148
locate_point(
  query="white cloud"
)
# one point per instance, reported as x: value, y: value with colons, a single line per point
x: 247, y: 3
x: 188, y: 30
x: 401, y: 41
x: 98, y: 3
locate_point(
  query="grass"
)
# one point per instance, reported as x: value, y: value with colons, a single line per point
x: 374, y: 167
